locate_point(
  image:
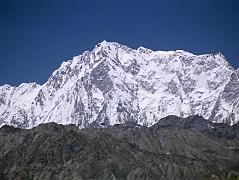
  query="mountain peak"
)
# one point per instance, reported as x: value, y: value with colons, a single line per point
x: 114, y: 84
x: 106, y: 43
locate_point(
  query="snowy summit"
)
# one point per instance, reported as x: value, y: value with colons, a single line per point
x: 115, y: 84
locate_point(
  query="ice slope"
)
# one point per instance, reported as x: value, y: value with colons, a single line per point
x: 114, y: 84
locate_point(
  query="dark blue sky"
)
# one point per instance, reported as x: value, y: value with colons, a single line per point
x: 37, y: 35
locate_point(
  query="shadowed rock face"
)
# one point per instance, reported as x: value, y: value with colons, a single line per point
x: 174, y: 148
x: 199, y: 124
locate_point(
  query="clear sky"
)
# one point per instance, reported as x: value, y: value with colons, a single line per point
x: 37, y: 35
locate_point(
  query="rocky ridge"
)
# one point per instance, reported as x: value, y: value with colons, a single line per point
x: 199, y: 149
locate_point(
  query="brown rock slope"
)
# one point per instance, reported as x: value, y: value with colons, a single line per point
x: 52, y: 151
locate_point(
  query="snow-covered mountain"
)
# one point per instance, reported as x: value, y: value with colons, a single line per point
x: 114, y: 84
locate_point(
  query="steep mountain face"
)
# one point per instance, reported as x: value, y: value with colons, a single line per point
x: 174, y: 148
x: 114, y: 84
